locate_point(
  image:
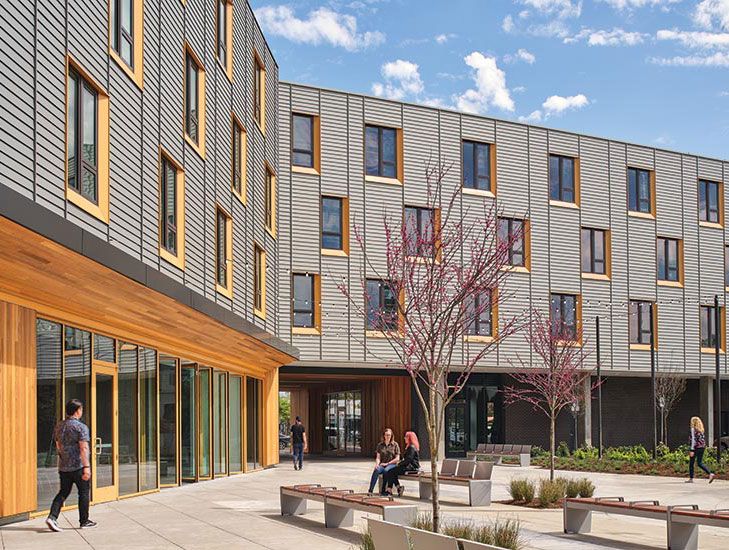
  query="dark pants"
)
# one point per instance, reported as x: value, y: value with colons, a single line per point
x: 298, y: 449
x: 68, y: 479
x: 376, y: 473
x: 698, y: 458
x: 391, y: 477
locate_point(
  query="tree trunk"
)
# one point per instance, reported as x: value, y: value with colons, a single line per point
x: 551, y: 447
x: 434, y: 448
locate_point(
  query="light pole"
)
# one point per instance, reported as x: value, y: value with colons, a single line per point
x: 599, y: 388
x: 662, y: 406
x: 575, y: 408
x: 717, y: 381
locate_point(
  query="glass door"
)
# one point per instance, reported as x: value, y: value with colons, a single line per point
x: 104, y: 455
x: 456, y: 429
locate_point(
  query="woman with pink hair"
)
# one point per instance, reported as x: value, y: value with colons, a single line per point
x: 409, y: 463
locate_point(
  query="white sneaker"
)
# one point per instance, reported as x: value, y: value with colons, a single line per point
x: 689, y: 480
x: 53, y: 525
x: 712, y: 477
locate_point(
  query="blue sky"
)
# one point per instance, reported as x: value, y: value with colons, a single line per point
x: 654, y: 72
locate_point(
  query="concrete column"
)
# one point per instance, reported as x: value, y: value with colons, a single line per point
x: 586, y: 427
x: 706, y: 406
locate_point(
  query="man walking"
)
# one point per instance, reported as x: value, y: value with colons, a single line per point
x: 298, y: 443
x: 72, y: 442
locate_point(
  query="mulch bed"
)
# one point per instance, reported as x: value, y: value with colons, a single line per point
x: 615, y: 467
x: 534, y: 504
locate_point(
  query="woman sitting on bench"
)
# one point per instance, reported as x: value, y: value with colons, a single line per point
x: 409, y: 463
x: 386, y: 457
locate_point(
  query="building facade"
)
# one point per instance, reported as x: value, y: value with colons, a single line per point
x: 613, y: 230
x: 138, y: 231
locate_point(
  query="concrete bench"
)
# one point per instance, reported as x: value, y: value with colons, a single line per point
x: 339, y: 505
x: 389, y: 536
x: 682, y: 521
x: 476, y: 475
x: 501, y: 450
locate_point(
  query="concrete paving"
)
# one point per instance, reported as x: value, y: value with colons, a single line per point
x: 243, y: 512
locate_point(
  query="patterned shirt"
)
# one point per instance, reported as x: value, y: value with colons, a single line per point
x: 67, y: 435
x: 388, y: 451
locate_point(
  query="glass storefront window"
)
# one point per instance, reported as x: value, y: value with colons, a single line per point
x: 253, y: 435
x: 220, y: 406
x: 77, y: 368
x: 147, y: 419
x: 188, y: 423
x: 204, y: 470
x: 168, y: 420
x: 104, y: 348
x: 343, y: 421
x: 128, y: 419
x: 235, y: 454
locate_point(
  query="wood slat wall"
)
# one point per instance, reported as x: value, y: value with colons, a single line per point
x: 17, y: 410
x: 270, y: 419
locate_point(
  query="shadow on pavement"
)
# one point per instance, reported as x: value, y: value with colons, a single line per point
x: 317, y: 526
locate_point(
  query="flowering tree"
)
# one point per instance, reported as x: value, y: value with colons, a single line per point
x: 436, y: 290
x: 670, y: 386
x: 558, y: 381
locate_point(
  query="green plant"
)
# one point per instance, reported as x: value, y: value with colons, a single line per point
x: 563, y: 449
x: 424, y: 521
x: 572, y: 489
x: 538, y: 452
x: 460, y: 529
x: 366, y: 542
x: 502, y: 533
x: 522, y: 489
x: 585, y: 488
x: 549, y: 492
x: 584, y: 453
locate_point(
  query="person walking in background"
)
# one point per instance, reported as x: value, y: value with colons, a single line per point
x: 697, y: 448
x: 409, y: 463
x: 72, y: 442
x: 387, y: 456
x: 298, y: 443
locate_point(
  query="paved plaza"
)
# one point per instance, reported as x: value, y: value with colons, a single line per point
x: 243, y: 512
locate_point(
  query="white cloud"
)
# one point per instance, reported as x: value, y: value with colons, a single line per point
x: 508, y: 24
x: 402, y: 79
x: 634, y: 4
x: 490, y: 90
x: 521, y: 55
x: 724, y: 94
x: 533, y: 117
x: 556, y: 105
x: 322, y: 25
x: 615, y: 37
x: 709, y: 12
x: 561, y: 8
x: 519, y: 89
x: 555, y: 28
x: 445, y: 37
x: 719, y: 59
x: 523, y: 14
x: 664, y: 140
x: 706, y: 40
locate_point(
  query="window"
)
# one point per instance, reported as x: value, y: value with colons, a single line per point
x: 194, y: 101
x: 270, y: 201
x: 381, y: 155
x: 224, y: 253
x: 238, y: 159
x: 306, y: 302
x: 639, y: 191
x: 333, y: 221
x: 303, y: 142
x: 479, y: 315
x: 224, y: 35
x: 171, y: 211
x: 87, y: 143
x: 382, y: 313
x: 477, y: 166
x: 419, y: 231
x: 122, y: 29
x: 668, y: 257
x: 562, y: 179
x: 511, y: 231
x: 709, y: 329
x: 259, y: 281
x: 594, y: 251
x: 259, y: 91
x: 710, y: 202
x: 641, y: 322
x: 564, y: 316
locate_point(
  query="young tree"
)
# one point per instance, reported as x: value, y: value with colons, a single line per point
x: 670, y: 387
x: 440, y: 282
x: 556, y: 379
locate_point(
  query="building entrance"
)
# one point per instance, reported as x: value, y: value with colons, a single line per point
x: 474, y: 416
x: 105, y: 455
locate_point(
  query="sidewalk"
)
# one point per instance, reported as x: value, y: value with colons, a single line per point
x: 243, y: 512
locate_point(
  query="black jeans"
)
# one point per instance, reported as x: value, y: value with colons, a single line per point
x: 391, y: 477
x: 699, y: 459
x: 68, y: 479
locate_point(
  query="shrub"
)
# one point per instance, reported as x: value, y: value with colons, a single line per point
x: 366, y: 542
x: 585, y: 488
x: 501, y: 533
x: 562, y: 449
x: 549, y: 492
x: 522, y: 489
x: 572, y: 489
x: 538, y: 452
x: 423, y: 521
x: 584, y: 453
x: 460, y: 529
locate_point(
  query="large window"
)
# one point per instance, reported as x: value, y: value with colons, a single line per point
x: 303, y: 143
x: 270, y: 201
x: 235, y: 409
x: 223, y: 252
x: 238, y: 159
x: 477, y: 166
x: 639, y: 191
x: 332, y: 223
x: 147, y: 419
x: 205, y: 390
x: 641, y: 322
x: 479, y: 315
x: 512, y: 234
x: 169, y: 213
x: 668, y: 259
x: 259, y: 281
x: 709, y: 331
x: 710, y: 202
x: 382, y: 311
x: 419, y: 231
x: 343, y: 422
x: 562, y: 179
x: 192, y: 97
x: 304, y: 300
x: 220, y: 422
x: 188, y: 423
x: 259, y: 91
x: 168, y: 473
x: 224, y: 35
x: 594, y: 251
x: 381, y: 152
x: 83, y: 137
x: 564, y: 316
x: 128, y: 419
x: 122, y: 29
x: 253, y: 423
